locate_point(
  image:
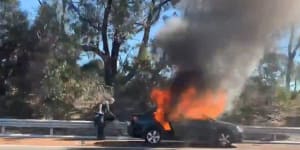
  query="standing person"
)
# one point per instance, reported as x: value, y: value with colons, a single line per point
x: 99, y: 123
x: 104, y: 114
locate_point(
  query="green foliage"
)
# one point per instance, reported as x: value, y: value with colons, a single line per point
x: 54, y: 80
x: 272, y: 68
x: 263, y: 96
x: 107, y: 25
x: 15, y: 107
x: 39, y: 76
x: 282, y: 94
x: 54, y: 70
x: 94, y: 69
x: 14, y: 61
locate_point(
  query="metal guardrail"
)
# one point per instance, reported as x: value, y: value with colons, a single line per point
x: 52, y: 124
x: 80, y: 124
x: 273, y: 131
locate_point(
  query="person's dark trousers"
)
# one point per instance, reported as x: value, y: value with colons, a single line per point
x: 99, y: 122
x: 100, y: 131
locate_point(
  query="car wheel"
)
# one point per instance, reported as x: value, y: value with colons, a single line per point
x: 152, y: 136
x: 224, y: 139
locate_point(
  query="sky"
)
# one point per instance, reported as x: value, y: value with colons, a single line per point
x: 138, y: 37
x: 31, y: 7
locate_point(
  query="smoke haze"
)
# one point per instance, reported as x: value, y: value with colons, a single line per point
x: 222, y: 41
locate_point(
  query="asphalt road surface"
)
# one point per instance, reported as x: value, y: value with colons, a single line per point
x: 160, y: 147
x: 117, y: 143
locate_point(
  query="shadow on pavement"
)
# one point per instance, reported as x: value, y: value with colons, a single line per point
x: 142, y: 144
x: 139, y: 145
x: 265, y: 137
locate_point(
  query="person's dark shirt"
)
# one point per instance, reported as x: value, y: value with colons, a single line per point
x: 99, y: 118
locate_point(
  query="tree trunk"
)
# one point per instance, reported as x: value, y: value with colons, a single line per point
x: 288, y: 73
x: 118, y: 40
x: 111, y: 62
x: 295, y: 87
x: 145, y: 40
x: 291, y: 56
x: 108, y: 75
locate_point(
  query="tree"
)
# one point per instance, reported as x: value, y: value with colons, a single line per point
x: 14, y: 60
x: 13, y: 41
x: 296, y: 76
x: 293, y: 46
x: 108, y: 21
x: 262, y: 95
x: 38, y: 62
x: 54, y: 72
x: 271, y: 68
x: 60, y: 83
x: 135, y: 93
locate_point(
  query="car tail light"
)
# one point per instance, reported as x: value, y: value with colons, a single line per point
x: 135, y: 118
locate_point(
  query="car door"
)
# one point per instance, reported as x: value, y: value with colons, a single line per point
x: 193, y: 130
x: 205, y: 130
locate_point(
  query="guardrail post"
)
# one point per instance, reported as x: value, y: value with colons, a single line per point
x: 3, y: 129
x: 274, y: 137
x: 51, y: 131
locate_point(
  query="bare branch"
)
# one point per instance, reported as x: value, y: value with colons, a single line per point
x: 139, y: 29
x: 90, y: 22
x: 153, y: 2
x: 161, y: 4
x: 292, y: 51
x: 150, y: 21
x: 296, y: 48
x: 89, y: 48
x: 156, y: 17
x: 138, y: 23
x: 130, y: 75
x: 40, y: 2
x: 104, y: 26
x: 156, y: 10
x: 153, y: 10
x: 290, y: 45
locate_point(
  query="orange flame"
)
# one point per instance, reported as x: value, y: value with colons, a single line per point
x: 162, y: 100
x: 191, y: 105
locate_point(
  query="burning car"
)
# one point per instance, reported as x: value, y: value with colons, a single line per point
x: 209, y: 131
x: 188, y: 110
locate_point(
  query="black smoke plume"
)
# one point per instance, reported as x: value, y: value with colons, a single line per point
x: 222, y: 41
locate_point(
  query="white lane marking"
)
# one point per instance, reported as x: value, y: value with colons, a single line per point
x: 96, y: 147
x: 270, y: 142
